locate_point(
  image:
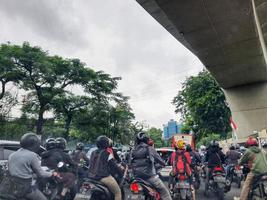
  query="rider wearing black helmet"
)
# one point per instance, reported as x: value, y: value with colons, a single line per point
x: 55, y: 154
x: 61, y: 143
x: 50, y: 143
x: 22, y: 164
x: 79, y: 156
x: 232, y: 156
x: 195, y: 157
x: 101, y: 161
x: 143, y: 160
x: 214, y: 157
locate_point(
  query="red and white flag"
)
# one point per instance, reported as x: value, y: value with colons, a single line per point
x: 233, y: 124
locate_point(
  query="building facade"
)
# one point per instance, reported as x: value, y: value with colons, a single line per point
x: 170, y: 129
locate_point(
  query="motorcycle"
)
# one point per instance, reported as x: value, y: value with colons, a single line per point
x: 182, y: 189
x: 258, y: 190
x: 216, y: 183
x: 95, y: 190
x: 51, y: 187
x: 234, y: 174
x: 196, y: 178
x: 47, y: 186
x: 142, y: 190
x: 238, y: 175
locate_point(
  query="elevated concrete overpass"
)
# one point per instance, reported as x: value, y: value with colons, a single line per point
x: 229, y: 37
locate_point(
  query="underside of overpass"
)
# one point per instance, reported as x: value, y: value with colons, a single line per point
x: 230, y: 38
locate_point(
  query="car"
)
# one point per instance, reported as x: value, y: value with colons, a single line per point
x: 165, y: 153
x: 7, y: 147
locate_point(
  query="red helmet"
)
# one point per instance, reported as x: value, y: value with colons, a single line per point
x: 251, y: 142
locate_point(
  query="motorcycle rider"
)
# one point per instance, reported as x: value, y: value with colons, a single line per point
x: 55, y: 153
x: 143, y: 160
x: 214, y: 157
x: 195, y: 157
x: 185, y: 164
x: 82, y: 161
x: 22, y: 165
x: 79, y: 154
x: 256, y: 159
x: 101, y: 161
x: 232, y: 156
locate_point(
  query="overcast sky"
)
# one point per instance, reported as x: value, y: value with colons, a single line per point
x: 116, y: 36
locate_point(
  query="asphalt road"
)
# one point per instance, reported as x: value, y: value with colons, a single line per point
x: 234, y: 192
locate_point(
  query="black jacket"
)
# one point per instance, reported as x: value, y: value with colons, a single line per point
x: 52, y: 157
x: 143, y: 160
x: 79, y: 155
x: 214, y: 157
x: 101, y: 163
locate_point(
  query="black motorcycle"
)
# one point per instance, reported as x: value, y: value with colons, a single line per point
x: 95, y: 190
x: 142, y: 190
x: 52, y: 187
x: 235, y: 174
x: 258, y: 188
x: 216, y: 183
x: 196, y: 176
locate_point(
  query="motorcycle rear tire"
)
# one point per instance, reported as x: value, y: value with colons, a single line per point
x: 220, y: 194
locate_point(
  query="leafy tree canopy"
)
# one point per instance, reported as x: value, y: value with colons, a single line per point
x: 202, y: 102
x: 156, y: 136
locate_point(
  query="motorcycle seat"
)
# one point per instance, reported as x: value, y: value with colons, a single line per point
x: 258, y: 178
x: 93, y: 181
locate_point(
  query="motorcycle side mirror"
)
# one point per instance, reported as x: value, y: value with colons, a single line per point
x: 60, y: 164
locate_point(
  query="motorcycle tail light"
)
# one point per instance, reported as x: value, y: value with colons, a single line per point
x: 237, y: 167
x: 218, y: 168
x: 135, y: 187
x: 182, y: 177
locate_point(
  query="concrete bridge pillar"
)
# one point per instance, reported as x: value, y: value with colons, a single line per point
x: 248, y: 103
x: 249, y: 107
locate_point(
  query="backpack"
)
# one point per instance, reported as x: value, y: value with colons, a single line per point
x: 180, y: 163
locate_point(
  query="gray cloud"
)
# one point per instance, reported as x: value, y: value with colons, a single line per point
x: 116, y: 36
x: 46, y: 18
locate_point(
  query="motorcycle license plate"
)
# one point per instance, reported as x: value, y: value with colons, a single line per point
x: 136, y: 197
x: 183, y: 185
x: 219, y: 179
x: 238, y: 172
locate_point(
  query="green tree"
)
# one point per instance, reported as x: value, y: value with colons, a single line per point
x: 156, y: 136
x: 8, y: 70
x: 202, y: 102
x: 44, y: 77
x: 68, y: 106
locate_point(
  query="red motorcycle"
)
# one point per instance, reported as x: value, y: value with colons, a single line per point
x: 182, y: 189
x: 216, y: 183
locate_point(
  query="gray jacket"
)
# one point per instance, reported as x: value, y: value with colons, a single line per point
x: 24, y: 163
x: 144, y: 159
